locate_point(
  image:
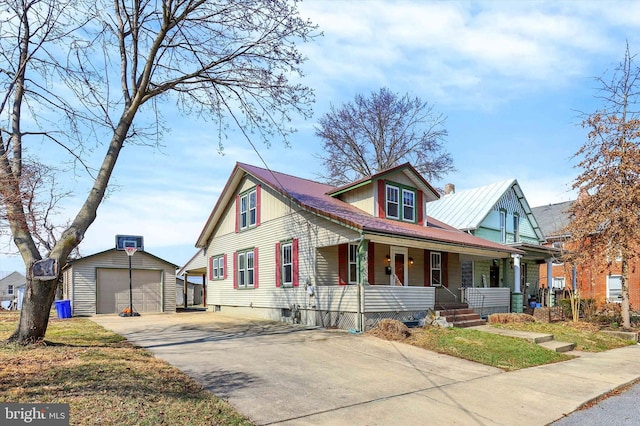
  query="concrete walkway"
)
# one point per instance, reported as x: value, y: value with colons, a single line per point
x: 279, y: 374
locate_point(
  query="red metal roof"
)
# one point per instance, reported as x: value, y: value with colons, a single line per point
x: 314, y: 196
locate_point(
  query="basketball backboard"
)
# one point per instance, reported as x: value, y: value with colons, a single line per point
x: 123, y: 241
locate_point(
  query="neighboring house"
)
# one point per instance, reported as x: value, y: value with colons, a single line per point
x: 497, y: 212
x: 287, y: 248
x: 99, y: 283
x: 9, y: 286
x: 193, y: 291
x: 603, y: 285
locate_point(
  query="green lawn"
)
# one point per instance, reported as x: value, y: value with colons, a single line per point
x: 507, y: 353
x: 105, y: 379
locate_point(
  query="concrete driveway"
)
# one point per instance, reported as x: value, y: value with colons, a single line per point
x: 276, y: 373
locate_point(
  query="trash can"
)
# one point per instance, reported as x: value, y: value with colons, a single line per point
x: 63, y: 308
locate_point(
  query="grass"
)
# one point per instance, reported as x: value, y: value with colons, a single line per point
x: 586, y: 336
x: 105, y: 379
x: 507, y: 353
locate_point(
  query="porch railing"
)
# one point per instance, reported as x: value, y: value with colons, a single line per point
x: 486, y: 301
x: 337, y: 306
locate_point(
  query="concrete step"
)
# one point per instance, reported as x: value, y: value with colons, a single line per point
x: 469, y: 323
x: 451, y: 312
x: 557, y: 346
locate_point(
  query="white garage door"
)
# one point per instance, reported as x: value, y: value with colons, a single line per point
x: 113, y: 290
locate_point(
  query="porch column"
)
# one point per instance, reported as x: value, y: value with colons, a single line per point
x: 549, y: 280
x: 362, y: 267
x: 516, y: 297
x: 574, y: 278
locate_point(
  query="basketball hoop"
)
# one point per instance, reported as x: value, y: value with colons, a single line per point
x: 130, y: 250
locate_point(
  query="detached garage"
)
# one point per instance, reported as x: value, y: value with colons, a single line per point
x: 99, y: 284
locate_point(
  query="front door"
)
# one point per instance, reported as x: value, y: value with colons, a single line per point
x: 399, y: 270
x: 494, y: 276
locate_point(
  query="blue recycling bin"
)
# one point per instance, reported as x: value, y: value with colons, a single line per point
x: 63, y: 308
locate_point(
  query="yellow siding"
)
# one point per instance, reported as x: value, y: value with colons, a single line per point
x: 279, y: 222
x: 362, y: 198
x: 401, y: 178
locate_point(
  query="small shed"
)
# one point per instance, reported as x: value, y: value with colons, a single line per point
x: 99, y: 283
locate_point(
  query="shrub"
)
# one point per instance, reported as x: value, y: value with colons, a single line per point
x: 510, y: 318
x: 588, y: 308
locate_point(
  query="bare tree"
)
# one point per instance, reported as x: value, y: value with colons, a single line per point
x: 85, y: 72
x: 382, y: 131
x: 605, y: 226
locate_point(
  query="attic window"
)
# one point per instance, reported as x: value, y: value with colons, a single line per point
x: 248, y: 209
x: 10, y: 289
x: 400, y: 203
x: 393, y: 202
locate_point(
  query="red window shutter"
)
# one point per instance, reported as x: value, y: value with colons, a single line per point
x: 342, y: 263
x: 427, y: 268
x: 258, y: 197
x: 294, y: 249
x: 237, y: 213
x: 211, y: 268
x: 371, y: 259
x: 278, y: 282
x: 255, y: 267
x: 420, y: 209
x: 235, y: 269
x: 224, y: 270
x: 382, y: 198
x: 445, y: 269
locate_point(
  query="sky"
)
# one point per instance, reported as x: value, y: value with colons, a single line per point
x: 512, y: 78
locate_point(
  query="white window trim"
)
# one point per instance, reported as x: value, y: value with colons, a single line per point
x: 516, y: 227
x: 353, y: 248
x: 218, y: 267
x: 246, y: 209
x: 433, y: 268
x: 612, y: 299
x: 558, y: 280
x: 284, y: 264
x: 413, y: 206
x: 503, y: 226
x: 388, y: 202
x: 244, y: 271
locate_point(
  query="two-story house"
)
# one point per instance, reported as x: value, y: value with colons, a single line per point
x: 498, y: 212
x: 283, y: 247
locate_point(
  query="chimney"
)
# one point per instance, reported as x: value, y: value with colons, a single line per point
x: 449, y: 189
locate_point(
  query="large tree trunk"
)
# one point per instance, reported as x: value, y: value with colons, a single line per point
x: 626, y: 318
x: 36, y: 308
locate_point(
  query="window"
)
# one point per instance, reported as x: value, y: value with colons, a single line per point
x: 503, y: 228
x: 436, y: 269
x: 614, y: 288
x: 392, y: 202
x: 10, y: 289
x: 248, y: 209
x: 217, y: 268
x: 353, y: 263
x: 246, y: 276
x: 516, y: 228
x: 287, y: 264
x: 394, y: 209
x: 408, y: 205
x: 558, y: 282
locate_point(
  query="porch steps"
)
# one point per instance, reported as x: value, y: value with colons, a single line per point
x: 462, y: 317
